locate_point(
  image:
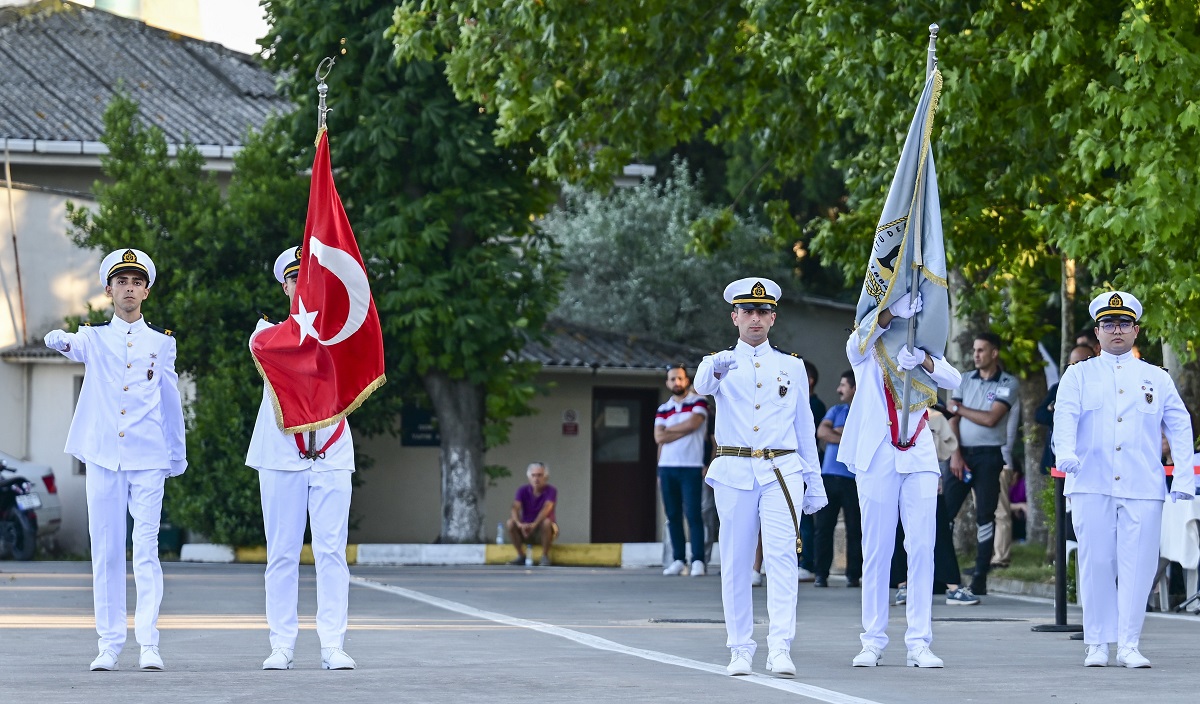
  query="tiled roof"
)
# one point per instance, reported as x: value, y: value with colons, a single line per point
x: 573, y: 345
x: 62, y: 66
x: 32, y: 351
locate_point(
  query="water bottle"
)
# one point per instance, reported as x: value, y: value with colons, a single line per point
x: 500, y: 533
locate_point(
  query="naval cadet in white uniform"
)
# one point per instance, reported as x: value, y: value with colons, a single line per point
x: 894, y: 483
x: 1109, y: 418
x: 766, y: 472
x: 128, y: 431
x: 303, y: 475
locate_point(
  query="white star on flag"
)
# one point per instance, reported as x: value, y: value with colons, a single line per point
x: 305, y: 319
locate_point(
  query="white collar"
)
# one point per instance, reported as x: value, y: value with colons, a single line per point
x: 1117, y: 358
x: 746, y: 348
x: 121, y: 326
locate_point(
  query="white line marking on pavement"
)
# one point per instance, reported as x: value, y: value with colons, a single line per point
x: 808, y: 690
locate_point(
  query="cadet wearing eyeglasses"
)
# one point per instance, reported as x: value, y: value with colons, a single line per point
x: 1109, y: 418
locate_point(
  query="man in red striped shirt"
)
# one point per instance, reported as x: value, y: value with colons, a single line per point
x: 679, y: 428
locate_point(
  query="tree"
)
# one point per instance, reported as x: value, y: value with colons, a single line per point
x: 445, y: 220
x: 629, y: 264
x: 213, y: 259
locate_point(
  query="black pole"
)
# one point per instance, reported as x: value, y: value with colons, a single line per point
x: 1060, y: 624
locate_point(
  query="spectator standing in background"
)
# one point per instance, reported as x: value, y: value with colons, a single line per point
x: 680, y: 426
x: 842, y: 492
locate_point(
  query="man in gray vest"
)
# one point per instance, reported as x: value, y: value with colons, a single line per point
x: 981, y: 406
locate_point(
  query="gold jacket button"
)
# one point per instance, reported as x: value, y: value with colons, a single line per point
x: 1118, y: 448
x: 125, y: 389
x: 1118, y: 477
x: 1118, y: 419
x: 757, y: 365
x: 759, y: 385
x: 122, y: 411
x: 757, y: 406
x: 122, y: 433
x: 129, y: 343
x: 1120, y: 391
x: 129, y: 366
x: 756, y: 428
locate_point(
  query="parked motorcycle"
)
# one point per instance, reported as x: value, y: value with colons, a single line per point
x: 18, y: 520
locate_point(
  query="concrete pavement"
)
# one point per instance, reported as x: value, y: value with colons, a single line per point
x: 561, y: 634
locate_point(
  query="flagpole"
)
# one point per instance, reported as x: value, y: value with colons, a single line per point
x: 914, y: 280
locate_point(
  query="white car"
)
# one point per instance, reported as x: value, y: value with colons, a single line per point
x: 49, y: 514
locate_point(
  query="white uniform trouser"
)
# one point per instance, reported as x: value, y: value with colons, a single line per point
x: 287, y: 498
x: 742, y: 513
x: 885, y: 495
x: 111, y: 495
x: 1118, y: 557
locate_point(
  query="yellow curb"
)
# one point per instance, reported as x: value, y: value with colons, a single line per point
x: 258, y: 555
x: 564, y: 554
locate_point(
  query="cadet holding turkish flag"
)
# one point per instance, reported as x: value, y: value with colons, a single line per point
x: 317, y: 366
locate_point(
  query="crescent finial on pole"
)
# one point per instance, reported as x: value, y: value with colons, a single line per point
x: 323, y: 70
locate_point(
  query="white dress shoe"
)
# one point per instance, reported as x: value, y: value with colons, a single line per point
x: 1096, y: 656
x: 1130, y: 657
x: 105, y: 661
x: 280, y: 659
x: 924, y: 657
x: 868, y: 657
x: 757, y: 579
x: 336, y: 659
x: 739, y: 662
x: 697, y: 568
x: 803, y: 575
x: 674, y: 568
x: 150, y: 659
x: 780, y: 662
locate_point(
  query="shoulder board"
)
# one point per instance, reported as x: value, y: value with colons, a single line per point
x: 97, y: 325
x: 790, y: 354
x: 263, y: 316
x: 727, y: 349
x: 155, y: 328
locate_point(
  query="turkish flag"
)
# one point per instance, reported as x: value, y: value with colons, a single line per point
x: 327, y: 357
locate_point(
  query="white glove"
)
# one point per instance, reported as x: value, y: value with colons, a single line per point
x: 815, y: 498
x: 1180, y: 496
x: 1068, y: 466
x: 723, y: 361
x: 902, y: 307
x: 58, y: 340
x: 177, y: 467
x: 907, y: 359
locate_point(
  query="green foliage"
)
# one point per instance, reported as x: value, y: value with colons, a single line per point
x: 630, y: 263
x: 213, y: 258
x: 1066, y: 126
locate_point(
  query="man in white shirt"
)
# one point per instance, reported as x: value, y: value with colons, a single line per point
x: 303, y: 475
x: 1110, y: 415
x: 679, y: 427
x: 896, y: 480
x: 128, y: 431
x: 766, y: 471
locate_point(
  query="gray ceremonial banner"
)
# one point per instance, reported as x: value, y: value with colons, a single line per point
x: 908, y: 240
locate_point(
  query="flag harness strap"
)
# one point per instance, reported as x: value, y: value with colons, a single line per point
x: 320, y: 454
x: 894, y: 425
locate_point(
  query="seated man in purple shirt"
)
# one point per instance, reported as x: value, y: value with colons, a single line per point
x: 532, y: 519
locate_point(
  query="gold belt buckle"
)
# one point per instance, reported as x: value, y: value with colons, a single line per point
x: 756, y: 453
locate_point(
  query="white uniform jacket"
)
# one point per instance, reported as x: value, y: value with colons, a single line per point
x: 129, y: 415
x: 1110, y: 414
x: 762, y: 404
x: 867, y: 426
x: 271, y: 448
